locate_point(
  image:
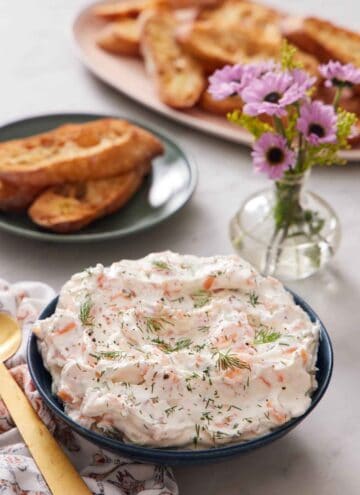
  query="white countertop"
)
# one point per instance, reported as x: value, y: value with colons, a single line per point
x: 40, y: 74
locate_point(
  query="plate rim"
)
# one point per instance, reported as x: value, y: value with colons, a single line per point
x: 114, y: 234
x: 182, y: 456
x: 241, y: 137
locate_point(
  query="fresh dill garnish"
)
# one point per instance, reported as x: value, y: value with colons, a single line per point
x: 112, y: 354
x: 206, y: 416
x: 204, y: 329
x: 219, y: 435
x: 253, y: 298
x: 180, y: 344
x: 156, y: 324
x: 85, y: 313
x: 208, y: 401
x: 161, y: 265
x: 170, y: 410
x: 197, y: 435
x: 206, y: 375
x: 178, y: 299
x: 232, y: 406
x: 200, y: 298
x: 226, y: 360
x: 265, y: 335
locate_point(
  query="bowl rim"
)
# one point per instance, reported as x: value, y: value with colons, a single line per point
x: 172, y: 455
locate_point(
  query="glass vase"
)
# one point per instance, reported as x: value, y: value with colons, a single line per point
x: 286, y: 231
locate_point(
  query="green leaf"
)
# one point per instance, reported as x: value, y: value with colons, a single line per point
x: 327, y: 154
x: 252, y: 124
x: 346, y: 121
x: 287, y: 57
x: 290, y: 129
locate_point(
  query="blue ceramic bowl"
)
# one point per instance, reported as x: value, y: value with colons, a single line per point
x: 42, y: 380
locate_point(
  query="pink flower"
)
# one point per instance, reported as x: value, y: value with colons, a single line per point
x: 317, y: 122
x: 262, y: 68
x: 272, y: 93
x: 341, y: 75
x: 302, y: 79
x: 230, y: 81
x: 272, y: 156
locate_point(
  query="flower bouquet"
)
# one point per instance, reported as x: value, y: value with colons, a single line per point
x: 287, y: 231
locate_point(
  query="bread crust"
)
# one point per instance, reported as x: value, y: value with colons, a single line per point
x: 121, y: 37
x: 134, y: 8
x: 220, y: 107
x: 121, y: 10
x: 71, y: 207
x: 16, y: 198
x: 77, y: 153
x: 178, y: 77
x: 233, y: 32
x: 323, y: 39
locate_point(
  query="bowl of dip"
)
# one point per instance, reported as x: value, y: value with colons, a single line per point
x: 197, y: 452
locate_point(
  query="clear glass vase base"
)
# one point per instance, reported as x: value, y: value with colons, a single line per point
x: 294, y: 256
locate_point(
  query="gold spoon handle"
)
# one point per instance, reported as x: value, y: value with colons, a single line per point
x: 57, y: 470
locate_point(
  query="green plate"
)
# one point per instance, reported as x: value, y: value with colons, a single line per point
x: 136, y: 216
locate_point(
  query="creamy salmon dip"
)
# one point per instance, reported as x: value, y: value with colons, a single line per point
x: 174, y: 350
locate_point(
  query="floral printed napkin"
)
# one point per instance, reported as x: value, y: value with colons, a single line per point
x: 103, y: 472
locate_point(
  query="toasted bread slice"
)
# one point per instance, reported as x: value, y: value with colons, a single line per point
x: 246, y: 12
x: 77, y: 153
x: 133, y: 8
x: 121, y: 37
x: 232, y: 33
x: 178, y: 77
x: 16, y: 198
x: 217, y: 47
x: 184, y: 4
x: 308, y: 62
x: 220, y: 107
x: 70, y: 207
x: 124, y: 9
x: 323, y: 39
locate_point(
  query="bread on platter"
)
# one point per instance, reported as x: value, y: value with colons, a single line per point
x: 177, y: 76
x: 323, y: 39
x: 77, y: 153
x: 16, y: 198
x: 70, y: 207
x: 121, y: 37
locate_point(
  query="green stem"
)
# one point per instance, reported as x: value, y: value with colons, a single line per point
x: 337, y: 97
x: 279, y: 126
x: 279, y: 248
x: 268, y: 259
x: 300, y: 160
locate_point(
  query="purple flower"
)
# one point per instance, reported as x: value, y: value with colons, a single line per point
x: 261, y: 68
x: 271, y: 94
x: 337, y: 74
x: 317, y: 122
x: 302, y: 79
x: 272, y: 156
x: 229, y: 81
